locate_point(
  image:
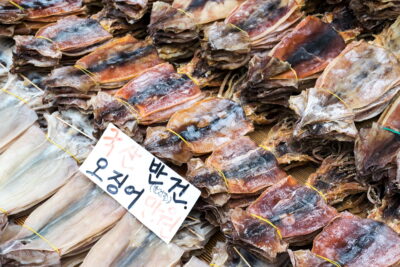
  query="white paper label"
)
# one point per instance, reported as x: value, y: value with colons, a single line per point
x: 150, y: 190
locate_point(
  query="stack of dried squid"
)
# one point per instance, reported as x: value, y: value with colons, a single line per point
x: 190, y: 81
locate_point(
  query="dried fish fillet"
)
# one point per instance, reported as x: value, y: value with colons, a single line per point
x: 130, y: 243
x: 299, y: 212
x: 70, y: 220
x: 352, y: 241
x: 204, y: 126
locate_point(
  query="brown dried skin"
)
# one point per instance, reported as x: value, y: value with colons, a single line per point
x: 388, y: 212
x: 305, y: 258
x: 373, y: 13
x: 336, y: 178
x: 69, y: 80
x: 205, y: 178
x: 390, y: 38
x: 205, y: 11
x: 42, y: 10
x: 158, y: 93
x: 353, y: 242
x: 120, y: 60
x: 174, y: 33
x: 298, y: 211
x: 203, y: 74
x: 107, y: 109
x: 247, y: 167
x: 366, y: 77
x: 281, y: 143
x: 309, y: 48
x: 264, y: 19
x: 224, y: 46
x: 257, y: 234
x: 67, y: 34
x: 322, y: 115
x: 34, y: 52
x: 132, y: 9
x: 205, y: 126
x: 10, y: 14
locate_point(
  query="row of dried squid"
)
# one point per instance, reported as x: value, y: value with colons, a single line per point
x: 204, y: 76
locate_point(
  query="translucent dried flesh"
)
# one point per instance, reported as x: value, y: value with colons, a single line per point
x: 159, y: 91
x: 296, y: 210
x: 130, y: 243
x: 366, y: 77
x: 66, y: 222
x: 204, y: 11
x: 352, y: 241
x: 246, y: 167
x: 66, y: 33
x: 42, y: 8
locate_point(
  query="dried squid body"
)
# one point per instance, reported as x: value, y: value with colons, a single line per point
x: 199, y: 129
x: 376, y: 148
x: 352, y: 242
x: 15, y: 101
x: 298, y: 211
x: 130, y: 243
x: 36, y: 165
x: 65, y: 224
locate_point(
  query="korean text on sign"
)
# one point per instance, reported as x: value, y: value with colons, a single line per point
x: 150, y: 190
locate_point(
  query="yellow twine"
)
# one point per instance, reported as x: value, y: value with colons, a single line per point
x: 184, y: 12
x: 43, y: 238
x: 236, y: 27
x: 269, y: 222
x: 223, y: 177
x: 4, y: 211
x: 241, y: 256
x: 14, y: 95
x: 328, y: 260
x: 338, y: 97
x: 213, y: 264
x: 45, y: 38
x: 130, y: 108
x: 315, y: 189
x: 16, y: 5
x: 175, y: 133
x: 190, y: 77
x: 87, y: 72
x: 63, y: 149
x: 264, y: 147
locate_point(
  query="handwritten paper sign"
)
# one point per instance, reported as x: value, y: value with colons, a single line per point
x: 155, y: 194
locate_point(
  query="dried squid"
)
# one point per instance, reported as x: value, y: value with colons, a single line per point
x: 376, y: 148
x: 155, y: 95
x: 17, y: 115
x: 336, y: 178
x: 292, y: 65
x: 130, y: 243
x: 247, y: 168
x: 35, y: 165
x: 388, y: 212
x: 199, y: 129
x: 390, y: 38
x: 351, y: 241
x: 56, y: 39
x: 70, y: 220
x: 195, y: 262
x: 299, y: 212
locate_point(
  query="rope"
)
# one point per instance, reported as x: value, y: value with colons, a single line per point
x: 16, y: 5
x: 130, y: 108
x: 4, y: 211
x: 221, y: 173
x: 315, y: 189
x: 88, y: 73
x: 175, y: 133
x: 43, y: 238
x: 269, y: 222
x: 328, y: 260
x: 14, y: 95
x: 63, y: 149
x: 391, y: 130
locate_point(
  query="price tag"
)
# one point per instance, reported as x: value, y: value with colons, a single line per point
x: 151, y: 191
